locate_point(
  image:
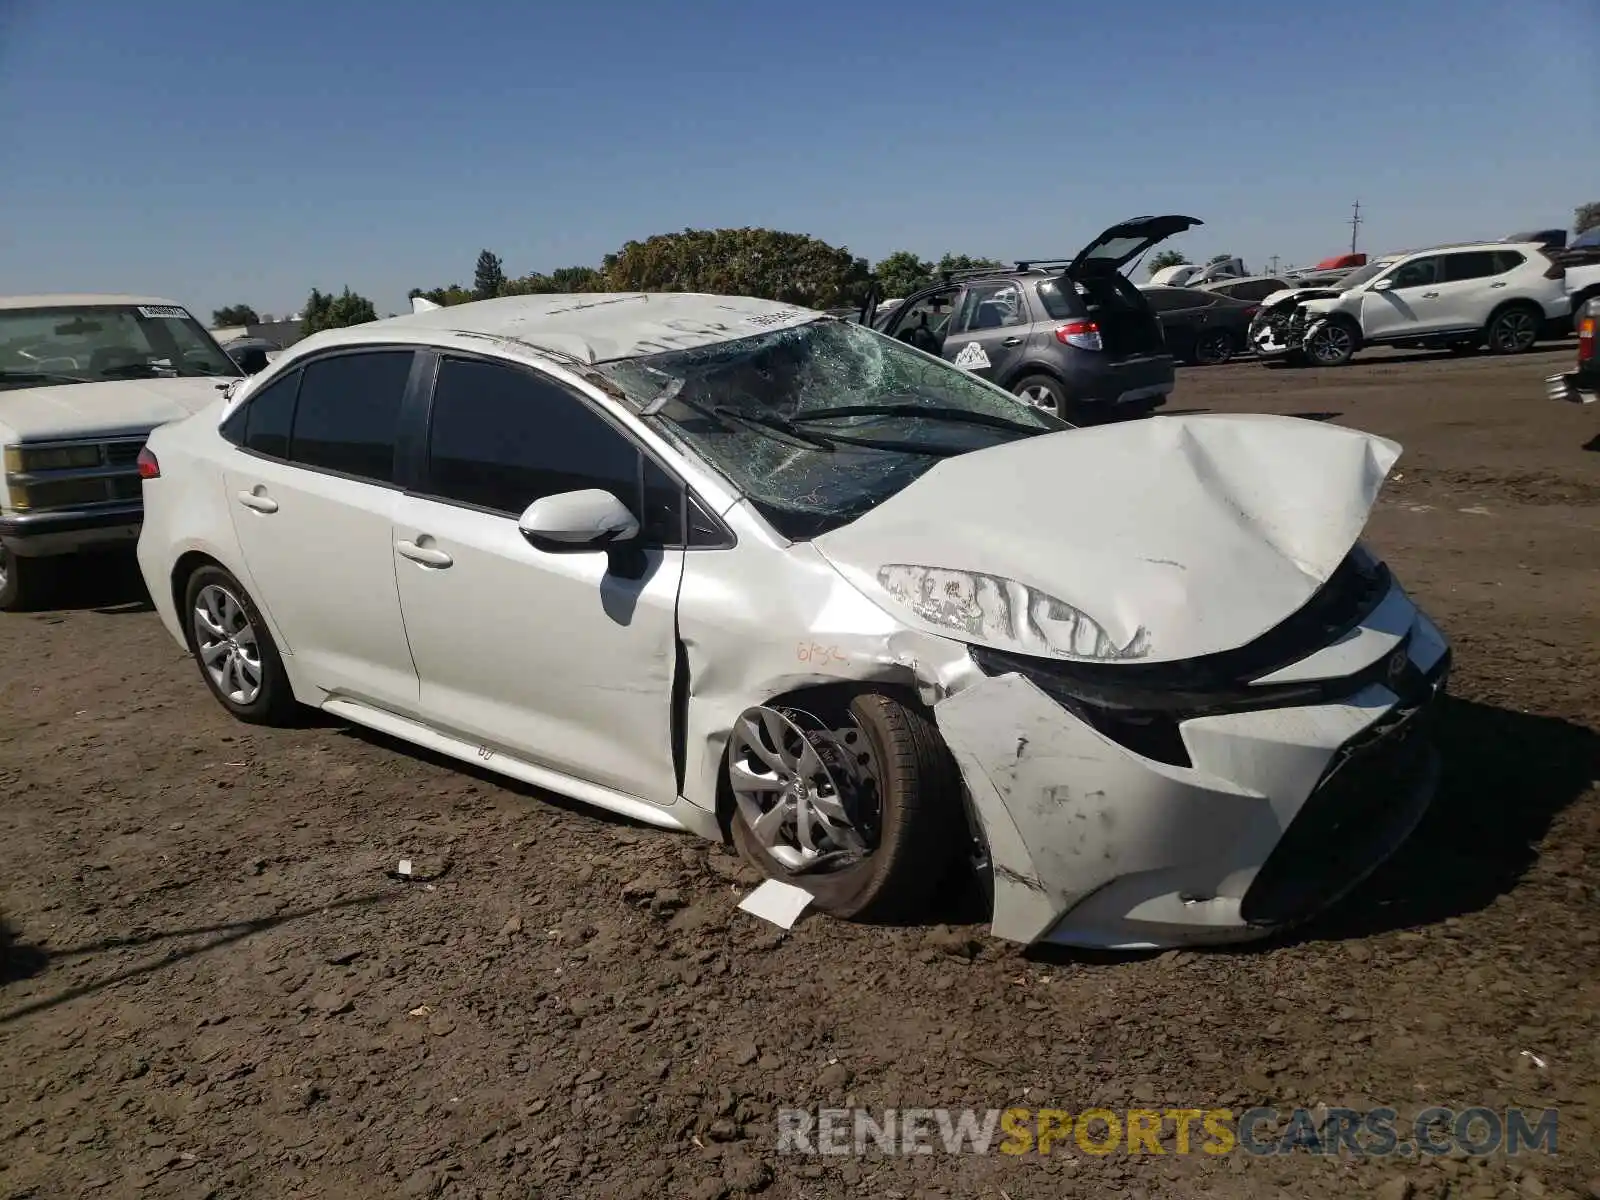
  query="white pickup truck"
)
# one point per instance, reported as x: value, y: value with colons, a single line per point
x: 83, y: 381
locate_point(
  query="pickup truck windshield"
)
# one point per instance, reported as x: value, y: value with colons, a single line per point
x: 820, y: 423
x: 44, y: 347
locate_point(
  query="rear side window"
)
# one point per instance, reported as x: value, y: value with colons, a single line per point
x: 1508, y: 260
x: 349, y: 413
x: 1173, y: 299
x: 261, y: 423
x: 1470, y: 264
x: 1060, y: 304
x: 1257, y: 289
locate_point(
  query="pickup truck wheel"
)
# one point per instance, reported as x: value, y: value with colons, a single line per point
x: 25, y: 583
x: 861, y: 806
x: 235, y: 653
x: 1514, y: 329
x: 1330, y: 344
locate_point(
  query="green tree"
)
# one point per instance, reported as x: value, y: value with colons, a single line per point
x: 774, y: 265
x: 1586, y: 217
x: 489, y: 277
x: 1167, y: 258
x: 901, y: 273
x: 326, y: 311
x: 446, y: 296
x: 965, y: 262
x: 561, y: 280
x: 234, y: 314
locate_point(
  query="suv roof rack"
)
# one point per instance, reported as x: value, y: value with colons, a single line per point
x: 975, y: 273
x: 1043, y: 264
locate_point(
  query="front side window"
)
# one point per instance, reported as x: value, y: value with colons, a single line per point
x: 1419, y: 272
x: 991, y: 306
x: 820, y: 423
x: 348, y: 413
x: 42, y: 347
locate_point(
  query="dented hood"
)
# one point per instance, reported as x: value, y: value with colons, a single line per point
x: 1153, y: 540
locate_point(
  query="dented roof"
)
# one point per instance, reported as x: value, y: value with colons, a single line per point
x: 591, y: 327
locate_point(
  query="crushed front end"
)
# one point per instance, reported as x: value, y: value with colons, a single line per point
x: 1215, y: 799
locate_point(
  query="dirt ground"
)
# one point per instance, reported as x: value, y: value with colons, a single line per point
x: 217, y: 989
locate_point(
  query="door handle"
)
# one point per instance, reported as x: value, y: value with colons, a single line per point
x: 1012, y: 341
x: 259, y: 501
x: 426, y: 555
x: 1502, y: 283
x: 1430, y: 295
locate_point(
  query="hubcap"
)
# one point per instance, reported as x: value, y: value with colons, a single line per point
x: 226, y: 643
x: 1330, y: 344
x: 1517, y: 331
x: 804, y: 790
x: 1040, y: 397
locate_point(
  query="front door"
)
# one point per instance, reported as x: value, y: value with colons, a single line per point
x: 989, y: 330
x: 1412, y: 303
x: 312, y: 496
x: 564, y: 659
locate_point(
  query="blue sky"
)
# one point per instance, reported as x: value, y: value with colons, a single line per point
x: 217, y: 153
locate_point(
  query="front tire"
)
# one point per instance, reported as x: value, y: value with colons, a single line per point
x: 909, y: 821
x: 1330, y: 344
x: 1514, y: 329
x: 25, y: 583
x: 234, y: 650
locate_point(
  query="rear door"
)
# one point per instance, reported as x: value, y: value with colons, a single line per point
x: 1183, y: 313
x: 989, y: 329
x: 312, y: 492
x: 1468, y: 287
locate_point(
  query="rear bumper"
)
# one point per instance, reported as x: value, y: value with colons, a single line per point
x: 1572, y: 389
x: 51, y: 533
x: 1127, y: 382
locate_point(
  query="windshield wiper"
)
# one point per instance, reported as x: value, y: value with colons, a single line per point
x: 929, y: 412
x: 138, y: 371
x: 768, y: 421
x: 39, y: 377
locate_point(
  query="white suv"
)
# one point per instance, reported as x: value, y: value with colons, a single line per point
x: 1499, y: 294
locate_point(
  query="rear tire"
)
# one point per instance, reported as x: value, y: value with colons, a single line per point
x: 1043, y: 391
x: 25, y: 583
x: 1214, y: 348
x: 920, y: 823
x: 1514, y: 329
x: 234, y: 649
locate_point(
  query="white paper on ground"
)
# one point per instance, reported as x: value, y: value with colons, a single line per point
x: 405, y: 866
x: 780, y: 903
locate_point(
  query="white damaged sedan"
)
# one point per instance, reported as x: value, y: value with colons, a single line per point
x: 738, y: 568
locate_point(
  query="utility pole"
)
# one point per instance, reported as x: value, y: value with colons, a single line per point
x: 1355, y: 224
x: 1274, y: 270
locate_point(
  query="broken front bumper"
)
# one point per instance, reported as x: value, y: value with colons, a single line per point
x: 1568, y: 388
x: 1278, y: 813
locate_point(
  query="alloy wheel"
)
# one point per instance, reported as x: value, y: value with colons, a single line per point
x: 1330, y: 345
x: 1041, y: 397
x: 1514, y: 331
x: 804, y: 790
x: 227, y: 645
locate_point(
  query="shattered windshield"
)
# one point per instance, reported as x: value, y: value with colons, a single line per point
x: 42, y: 347
x: 820, y: 423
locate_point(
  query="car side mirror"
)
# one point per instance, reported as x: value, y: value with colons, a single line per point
x: 591, y: 519
x: 1383, y: 285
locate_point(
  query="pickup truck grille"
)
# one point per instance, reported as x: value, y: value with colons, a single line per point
x: 73, y: 474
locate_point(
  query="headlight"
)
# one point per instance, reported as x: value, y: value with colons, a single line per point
x: 21, y: 459
x: 996, y: 611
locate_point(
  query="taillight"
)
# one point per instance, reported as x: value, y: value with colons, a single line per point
x: 149, y: 468
x: 1250, y: 313
x: 1555, y: 271
x: 1586, y: 338
x: 1085, y: 335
